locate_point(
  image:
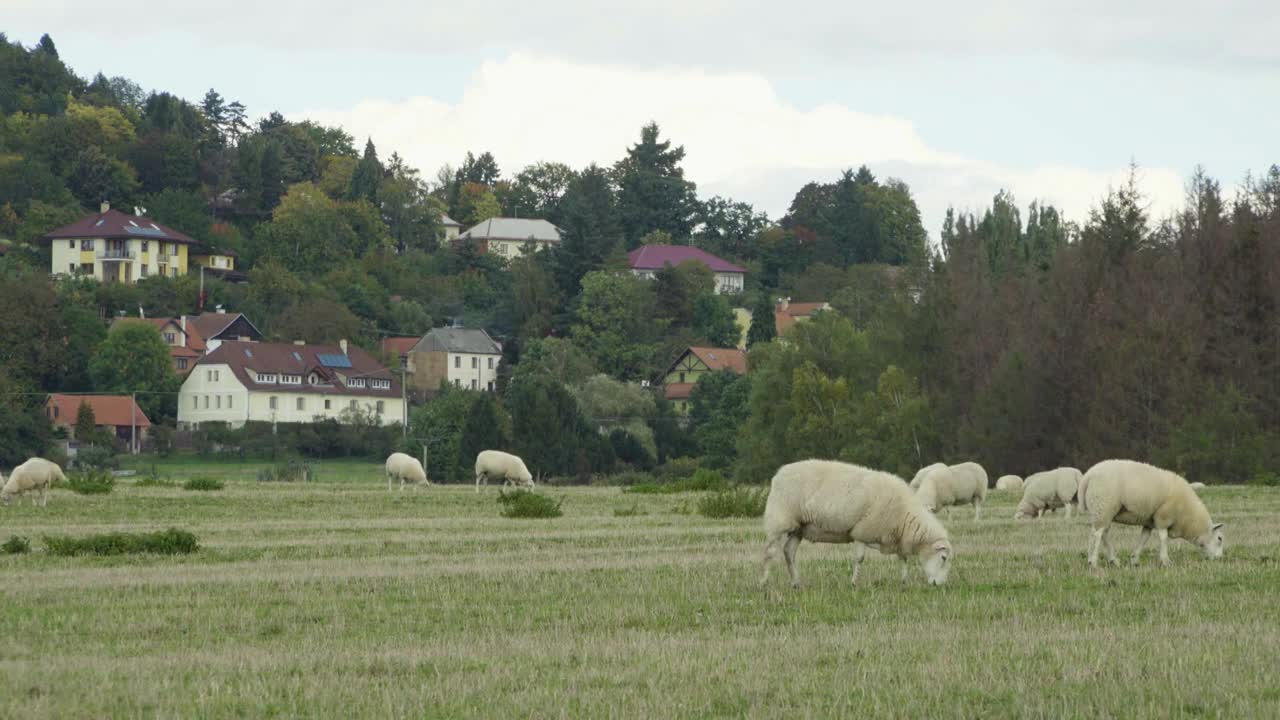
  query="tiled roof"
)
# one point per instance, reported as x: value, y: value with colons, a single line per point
x: 246, y: 359
x: 458, y: 340
x: 399, y: 345
x: 784, y: 318
x: 211, y: 324
x: 722, y: 358
x: 677, y: 391
x: 655, y: 257
x: 514, y: 229
x: 115, y: 225
x: 107, y: 409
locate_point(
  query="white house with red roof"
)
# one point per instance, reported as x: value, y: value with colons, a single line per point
x: 112, y: 246
x: 647, y: 260
x: 288, y: 382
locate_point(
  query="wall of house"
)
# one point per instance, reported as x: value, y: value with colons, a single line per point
x: 429, y: 369
x: 223, y: 262
x: 291, y: 407
x: 212, y: 393
x: 142, y: 258
x: 513, y: 248
x: 477, y: 372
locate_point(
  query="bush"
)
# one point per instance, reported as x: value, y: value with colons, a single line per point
x: 527, y: 504
x: 676, y: 469
x: 630, y: 511
x: 202, y: 482
x: 701, y: 481
x: 97, y: 457
x: 91, y: 482
x: 153, y: 479
x: 1267, y: 478
x: 739, y: 502
x: 629, y: 478
x: 288, y: 471
x: 16, y: 546
x: 166, y: 542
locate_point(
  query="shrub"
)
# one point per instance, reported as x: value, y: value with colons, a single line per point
x: 1267, y: 478
x: 287, y: 471
x: 527, y: 504
x: 676, y: 469
x: 166, y: 542
x: 739, y: 502
x: 153, y: 479
x: 16, y: 546
x: 702, y: 480
x: 202, y: 482
x: 630, y: 511
x: 629, y: 478
x: 91, y: 482
x: 97, y: 457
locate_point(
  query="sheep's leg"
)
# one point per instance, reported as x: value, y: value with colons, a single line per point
x: 770, y: 552
x: 1068, y: 510
x: 903, y: 563
x: 977, y: 511
x: 1142, y: 544
x: 44, y: 496
x: 859, y: 552
x: 948, y: 513
x: 1111, y: 551
x: 389, y: 480
x: 479, y: 477
x: 789, y: 554
x: 1094, y: 544
x: 1164, y: 545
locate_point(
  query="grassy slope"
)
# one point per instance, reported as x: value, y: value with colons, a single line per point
x: 337, y: 600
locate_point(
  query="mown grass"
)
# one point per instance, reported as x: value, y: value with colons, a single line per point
x: 339, y: 599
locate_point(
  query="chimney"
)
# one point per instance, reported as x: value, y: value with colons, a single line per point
x: 182, y: 323
x: 104, y: 207
x: 343, y: 344
x: 295, y: 342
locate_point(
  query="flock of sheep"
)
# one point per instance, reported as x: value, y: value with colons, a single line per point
x: 490, y: 465
x: 832, y: 502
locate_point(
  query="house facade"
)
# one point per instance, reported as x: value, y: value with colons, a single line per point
x: 290, y: 383
x: 111, y: 246
x: 118, y: 415
x: 646, y: 260
x: 462, y: 357
x: 693, y: 363
x: 452, y: 228
x: 509, y: 237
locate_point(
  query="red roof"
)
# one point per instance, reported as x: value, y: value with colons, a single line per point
x: 399, y: 345
x: 115, y: 225
x: 246, y: 359
x: 722, y: 358
x: 785, y: 317
x: 107, y: 410
x: 677, y: 391
x: 655, y: 257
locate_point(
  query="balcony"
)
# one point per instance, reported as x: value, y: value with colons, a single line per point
x: 120, y: 254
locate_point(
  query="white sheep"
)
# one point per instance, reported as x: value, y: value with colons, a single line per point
x: 832, y: 502
x: 1134, y: 493
x: 915, y: 481
x: 406, y: 469
x: 1047, y: 491
x: 34, y: 474
x: 497, y: 464
x: 1009, y: 482
x: 961, y: 484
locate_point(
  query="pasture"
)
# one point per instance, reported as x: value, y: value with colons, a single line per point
x: 337, y: 599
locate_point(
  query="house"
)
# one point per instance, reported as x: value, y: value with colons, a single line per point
x: 692, y: 364
x: 786, y: 313
x: 451, y: 227
x: 219, y: 326
x: 190, y: 336
x: 508, y: 237
x: 397, y: 349
x: 647, y: 260
x: 291, y: 383
x: 464, y: 357
x: 216, y: 262
x: 112, y: 246
x: 118, y: 415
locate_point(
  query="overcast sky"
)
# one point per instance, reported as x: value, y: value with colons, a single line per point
x: 1051, y: 100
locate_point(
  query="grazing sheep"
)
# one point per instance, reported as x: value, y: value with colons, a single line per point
x: 1047, y: 491
x: 406, y: 469
x: 1134, y: 493
x: 497, y: 464
x: 915, y: 481
x: 1197, y: 486
x: 961, y: 484
x: 34, y: 474
x: 833, y: 502
x: 1009, y: 482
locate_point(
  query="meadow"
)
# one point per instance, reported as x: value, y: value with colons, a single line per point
x: 339, y: 599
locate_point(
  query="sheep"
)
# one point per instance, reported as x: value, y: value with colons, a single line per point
x: 1134, y: 493
x: 954, y: 485
x: 1047, y: 491
x: 1009, y: 482
x: 406, y: 469
x: 497, y: 464
x: 915, y: 481
x: 34, y: 474
x: 833, y: 502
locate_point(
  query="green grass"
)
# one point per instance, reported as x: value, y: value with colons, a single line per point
x: 165, y: 542
x: 342, y: 600
x: 203, y: 483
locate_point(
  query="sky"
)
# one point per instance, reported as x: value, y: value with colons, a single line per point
x: 1052, y: 101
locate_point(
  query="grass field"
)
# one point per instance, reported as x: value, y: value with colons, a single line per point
x: 340, y: 600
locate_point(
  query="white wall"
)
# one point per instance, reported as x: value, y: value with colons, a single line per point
x: 482, y: 374
x: 211, y: 393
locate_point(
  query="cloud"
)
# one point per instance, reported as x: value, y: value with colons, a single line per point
x: 741, y: 139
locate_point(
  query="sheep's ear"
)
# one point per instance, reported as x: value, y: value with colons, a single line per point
x: 941, y: 546
x: 1217, y: 526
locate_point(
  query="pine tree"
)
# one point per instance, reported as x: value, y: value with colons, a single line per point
x: 483, y: 430
x: 763, y: 328
x: 86, y: 424
x: 367, y: 176
x: 653, y: 193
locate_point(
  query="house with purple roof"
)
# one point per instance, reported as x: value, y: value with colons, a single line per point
x: 647, y: 260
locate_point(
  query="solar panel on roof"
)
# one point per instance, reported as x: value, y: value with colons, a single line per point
x: 296, y: 356
x: 334, y: 361
x: 135, y: 230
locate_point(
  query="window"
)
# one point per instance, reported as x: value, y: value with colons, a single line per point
x: 355, y: 382
x: 173, y: 271
x: 195, y: 402
x: 490, y: 363
x: 208, y: 376
x: 217, y: 375
x: 490, y: 386
x: 229, y: 401
x: 168, y: 337
x: 457, y: 361
x: 457, y: 382
x: 144, y: 246
x: 271, y: 402
x: 206, y: 402
x: 353, y: 404
x: 473, y: 384
x: 144, y: 270
x: 160, y: 250
x: 173, y: 249
x: 266, y: 377
x: 71, y: 268
x: 291, y: 379
x: 73, y: 244
x: 86, y: 244
x: 380, y: 407
x: 182, y: 363
x: 475, y: 363
x: 217, y: 402
x: 681, y: 377
x: 326, y: 403
x: 302, y: 403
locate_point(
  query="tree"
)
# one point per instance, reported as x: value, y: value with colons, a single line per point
x: 308, y: 232
x: 316, y: 321
x: 96, y: 177
x: 726, y: 227
x: 367, y: 176
x: 547, y: 429
x: 85, y: 331
x: 653, y: 193
x: 614, y: 324
x: 591, y: 228
x: 46, y: 46
x: 86, y: 427
x: 25, y: 431
x: 440, y: 424
x: 476, y: 203
x: 485, y: 429
x: 719, y: 404
x: 538, y: 190
x: 555, y: 358
x: 763, y: 326
x: 135, y: 359
x: 713, y: 319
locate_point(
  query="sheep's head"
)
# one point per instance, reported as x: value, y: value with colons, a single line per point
x: 1211, y: 542
x: 936, y: 561
x: 5, y: 498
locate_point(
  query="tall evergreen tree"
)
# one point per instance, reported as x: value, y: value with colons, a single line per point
x: 763, y: 328
x: 653, y: 193
x: 367, y: 176
x: 591, y: 225
x: 483, y: 430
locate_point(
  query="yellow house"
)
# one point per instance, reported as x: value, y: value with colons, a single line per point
x: 692, y: 364
x: 212, y: 258
x: 112, y: 246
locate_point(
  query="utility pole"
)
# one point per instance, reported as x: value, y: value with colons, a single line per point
x: 133, y: 425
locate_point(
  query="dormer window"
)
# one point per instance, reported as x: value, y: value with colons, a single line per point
x: 266, y: 377
x: 291, y: 379
x: 355, y: 382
